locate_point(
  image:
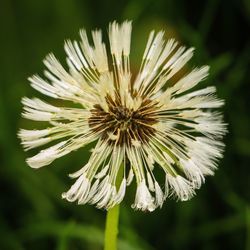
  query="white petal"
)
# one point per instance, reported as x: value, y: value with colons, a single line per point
x: 102, y: 173
x: 193, y: 172
x: 78, y: 191
x: 35, y: 143
x: 143, y: 199
x: 150, y: 182
x: 121, y: 193
x: 130, y: 176
x: 180, y: 187
x: 25, y: 134
x: 79, y: 172
x: 159, y: 196
x: 46, y: 156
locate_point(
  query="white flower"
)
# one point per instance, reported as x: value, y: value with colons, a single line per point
x: 139, y: 122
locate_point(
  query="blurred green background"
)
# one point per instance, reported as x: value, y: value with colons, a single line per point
x: 32, y: 214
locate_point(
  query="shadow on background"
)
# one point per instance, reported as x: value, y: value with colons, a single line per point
x: 32, y: 214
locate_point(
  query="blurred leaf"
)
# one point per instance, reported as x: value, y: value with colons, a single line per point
x: 221, y: 226
x: 207, y: 17
x: 62, y: 230
x: 134, y: 9
x: 132, y: 240
x: 248, y: 228
x: 8, y: 238
x: 219, y: 64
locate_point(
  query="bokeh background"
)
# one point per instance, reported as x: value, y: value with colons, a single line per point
x: 32, y: 214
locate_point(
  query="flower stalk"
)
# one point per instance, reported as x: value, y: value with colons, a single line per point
x: 111, y: 228
x: 112, y: 219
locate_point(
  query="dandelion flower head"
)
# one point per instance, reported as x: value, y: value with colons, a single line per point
x: 139, y: 123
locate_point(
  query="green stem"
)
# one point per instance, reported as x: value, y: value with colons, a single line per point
x: 111, y: 228
x: 112, y: 219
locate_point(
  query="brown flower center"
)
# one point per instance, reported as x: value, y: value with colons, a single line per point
x: 121, y: 125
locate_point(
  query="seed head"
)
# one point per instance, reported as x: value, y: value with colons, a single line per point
x: 138, y: 125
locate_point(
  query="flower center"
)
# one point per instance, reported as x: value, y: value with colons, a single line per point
x: 123, y: 117
x: 122, y: 125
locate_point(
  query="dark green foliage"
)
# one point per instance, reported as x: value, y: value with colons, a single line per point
x: 32, y: 214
